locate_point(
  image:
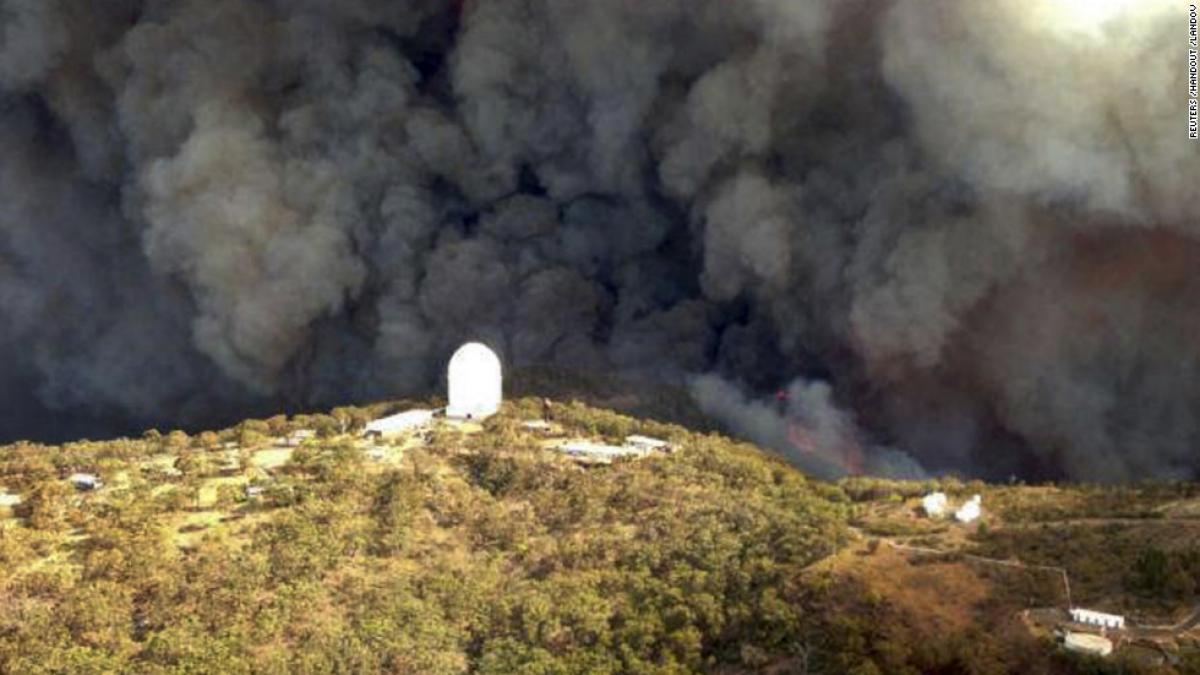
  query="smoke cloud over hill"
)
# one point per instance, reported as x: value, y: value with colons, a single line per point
x: 965, y: 231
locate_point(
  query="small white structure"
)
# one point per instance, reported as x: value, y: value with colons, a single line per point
x: 1092, y: 618
x: 253, y: 492
x: 596, y: 453
x: 647, y: 444
x: 969, y: 511
x: 540, y: 426
x: 85, y: 481
x: 1087, y: 643
x: 934, y: 504
x: 395, y: 425
x: 299, y: 436
x: 7, y: 503
x: 474, y: 382
x: 229, y: 463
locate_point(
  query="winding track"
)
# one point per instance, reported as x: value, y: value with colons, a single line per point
x: 1192, y: 620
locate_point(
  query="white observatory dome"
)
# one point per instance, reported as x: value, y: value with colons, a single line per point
x: 473, y: 382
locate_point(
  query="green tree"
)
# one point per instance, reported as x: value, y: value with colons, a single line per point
x: 252, y: 432
x: 1150, y: 571
x: 396, y: 506
x: 48, y: 505
x: 208, y: 440
x: 192, y: 467
x: 177, y: 440
x: 277, y: 425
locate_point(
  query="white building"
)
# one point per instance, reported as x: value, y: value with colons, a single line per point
x: 1087, y: 643
x: 400, y: 423
x: 934, y: 504
x: 1091, y: 618
x: 596, y: 453
x: 298, y: 436
x: 85, y: 481
x: 7, y: 503
x: 474, y: 382
x: 969, y: 511
x: 647, y: 444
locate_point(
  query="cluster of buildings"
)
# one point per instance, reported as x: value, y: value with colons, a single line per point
x: 937, y: 505
x: 1074, y: 634
x: 1089, y: 617
x: 474, y: 389
x: 474, y: 392
x: 1076, y: 639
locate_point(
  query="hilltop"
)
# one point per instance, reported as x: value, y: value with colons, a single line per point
x: 293, y: 544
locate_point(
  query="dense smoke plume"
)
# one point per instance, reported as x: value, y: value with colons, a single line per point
x: 962, y: 233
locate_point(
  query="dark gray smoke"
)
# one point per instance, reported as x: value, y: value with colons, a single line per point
x: 966, y: 231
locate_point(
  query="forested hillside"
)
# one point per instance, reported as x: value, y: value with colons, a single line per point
x: 478, y: 551
x: 292, y: 545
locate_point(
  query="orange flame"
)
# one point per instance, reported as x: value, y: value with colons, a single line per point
x: 847, y: 455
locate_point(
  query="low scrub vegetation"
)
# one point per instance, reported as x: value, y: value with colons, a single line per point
x: 260, y: 549
x: 479, y: 552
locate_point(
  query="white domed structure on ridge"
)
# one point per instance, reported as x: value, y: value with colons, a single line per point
x: 474, y: 382
x: 970, y: 511
x: 934, y: 504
